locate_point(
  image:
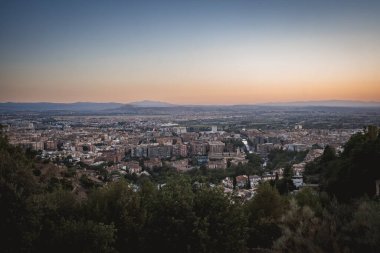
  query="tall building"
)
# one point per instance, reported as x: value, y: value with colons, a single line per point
x: 216, y: 146
x: 180, y: 150
x: 198, y: 148
x: 140, y: 151
x: 161, y: 151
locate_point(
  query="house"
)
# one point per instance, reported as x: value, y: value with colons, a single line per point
x: 297, y: 181
x: 279, y: 172
x: 181, y: 165
x: 228, y: 183
x: 254, y: 180
x: 154, y: 162
x: 241, y: 181
x: 299, y: 168
x: 268, y: 177
x: 134, y: 167
x: 218, y: 164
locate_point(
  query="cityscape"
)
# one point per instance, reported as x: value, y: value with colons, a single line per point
x: 243, y: 126
x: 103, y: 147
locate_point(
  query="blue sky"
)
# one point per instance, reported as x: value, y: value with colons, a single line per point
x: 233, y: 51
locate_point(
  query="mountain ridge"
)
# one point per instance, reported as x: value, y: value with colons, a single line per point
x: 145, y: 104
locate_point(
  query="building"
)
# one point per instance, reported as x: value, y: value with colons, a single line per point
x: 164, y: 140
x: 297, y: 147
x: 187, y: 137
x: 216, y: 146
x: 140, y: 151
x: 180, y: 150
x: 297, y: 181
x: 112, y: 156
x: 198, y: 148
x: 238, y: 160
x: 299, y: 168
x: 38, y: 145
x: 200, y: 160
x: 268, y: 177
x: 181, y: 165
x: 152, y: 163
x: 254, y: 180
x: 228, y: 183
x: 50, y: 145
x: 133, y: 167
x: 179, y: 130
x: 160, y: 151
x: 241, y: 181
x: 264, y: 149
x: 218, y: 164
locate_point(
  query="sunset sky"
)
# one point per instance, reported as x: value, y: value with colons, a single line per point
x: 189, y: 52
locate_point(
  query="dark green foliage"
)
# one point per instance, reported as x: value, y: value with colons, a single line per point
x: 338, y: 228
x: 17, y: 183
x: 314, y: 169
x: 309, y: 197
x: 254, y: 160
x: 71, y: 172
x: 362, y: 233
x: 264, y: 211
x: 171, y: 221
x: 353, y: 173
x: 285, y: 185
x: 216, y: 175
x: 281, y: 158
x: 82, y: 236
x: 117, y: 204
x: 160, y: 174
x: 86, y: 182
x: 37, y: 172
x: 234, y: 143
x: 220, y: 224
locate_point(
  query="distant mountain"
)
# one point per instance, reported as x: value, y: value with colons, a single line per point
x: 329, y: 103
x: 45, y: 106
x: 149, y: 103
x: 153, y: 107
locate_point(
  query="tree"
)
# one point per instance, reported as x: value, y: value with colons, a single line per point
x: 285, y: 184
x: 263, y: 212
x: 17, y: 184
x: 171, y: 219
x: 353, y: 174
x: 82, y: 236
x: 309, y: 197
x: 299, y: 229
x: 254, y: 160
x: 362, y: 233
x: 118, y: 204
x: 220, y: 224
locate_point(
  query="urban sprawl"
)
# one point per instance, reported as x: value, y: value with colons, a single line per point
x: 102, y: 149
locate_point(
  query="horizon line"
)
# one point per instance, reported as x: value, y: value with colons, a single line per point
x: 195, y: 104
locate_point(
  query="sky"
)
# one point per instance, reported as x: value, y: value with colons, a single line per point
x: 189, y: 52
